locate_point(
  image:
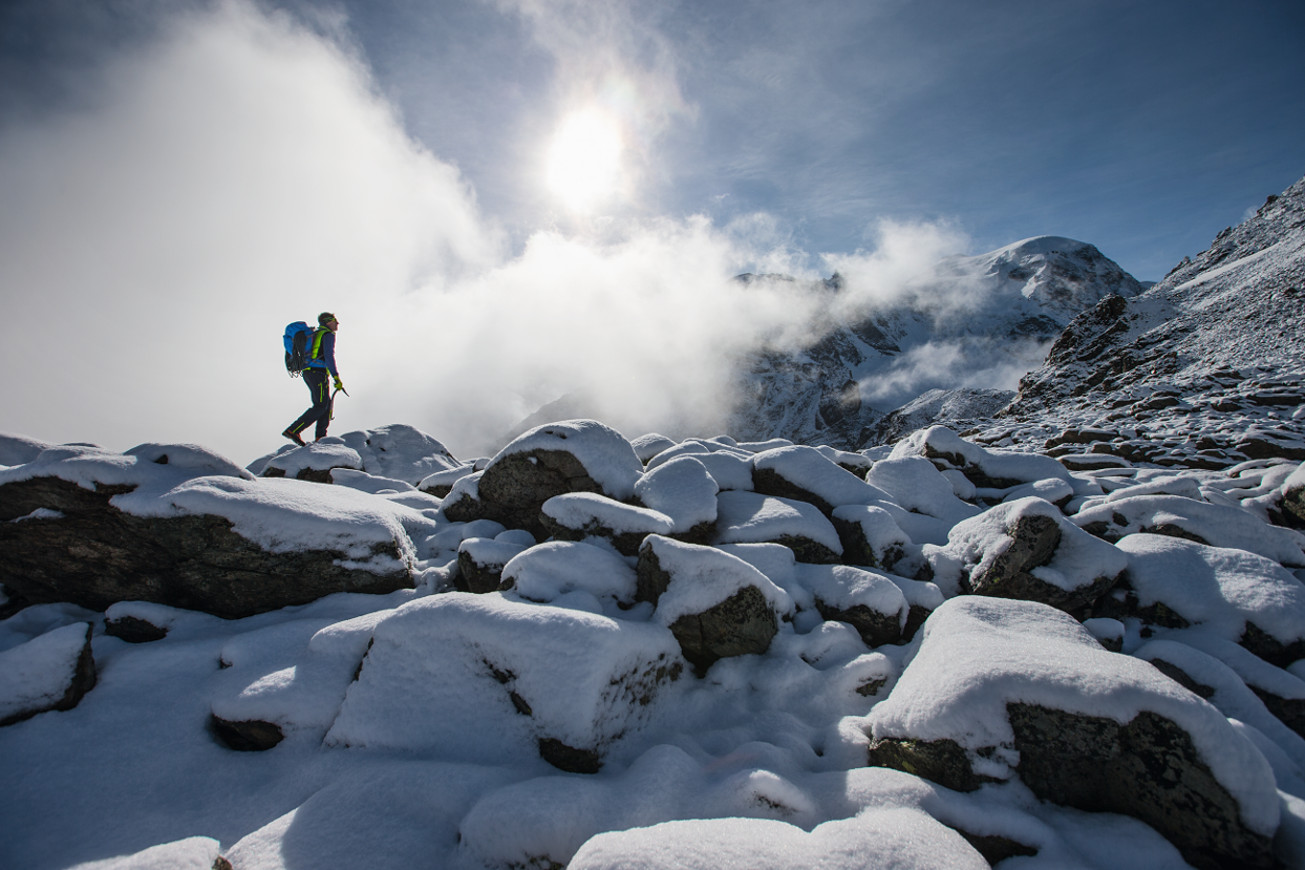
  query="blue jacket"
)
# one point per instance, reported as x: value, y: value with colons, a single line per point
x: 322, y: 352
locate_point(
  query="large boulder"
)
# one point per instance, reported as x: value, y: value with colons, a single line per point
x: 175, y: 526
x: 1230, y: 593
x: 753, y: 518
x: 684, y: 490
x: 53, y: 671
x: 575, y: 516
x: 479, y: 678
x: 870, y: 602
x: 1026, y: 549
x: 1000, y: 690
x: 986, y: 469
x: 1194, y: 520
x: 550, y: 460
x: 805, y: 474
x: 715, y: 604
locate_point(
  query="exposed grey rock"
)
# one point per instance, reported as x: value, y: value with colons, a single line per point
x: 86, y: 551
x: 743, y: 622
x: 1146, y: 768
x: 133, y: 629
x: 577, y: 516
x: 481, y: 562
x: 251, y: 736
x: 551, y: 460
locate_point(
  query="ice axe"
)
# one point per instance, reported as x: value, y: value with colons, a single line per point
x: 337, y: 392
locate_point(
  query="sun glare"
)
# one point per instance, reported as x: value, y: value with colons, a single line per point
x: 584, y: 161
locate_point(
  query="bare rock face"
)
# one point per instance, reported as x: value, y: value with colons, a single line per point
x: 1147, y: 768
x: 73, y: 545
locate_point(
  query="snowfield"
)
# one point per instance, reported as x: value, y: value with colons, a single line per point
x: 556, y: 720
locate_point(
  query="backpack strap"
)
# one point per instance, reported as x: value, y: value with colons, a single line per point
x: 318, y: 335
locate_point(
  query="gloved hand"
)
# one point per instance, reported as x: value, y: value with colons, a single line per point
x: 339, y: 385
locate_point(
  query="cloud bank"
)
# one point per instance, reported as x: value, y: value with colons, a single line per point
x: 242, y: 172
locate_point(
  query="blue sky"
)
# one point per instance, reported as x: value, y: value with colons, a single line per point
x: 171, y: 169
x: 1142, y: 127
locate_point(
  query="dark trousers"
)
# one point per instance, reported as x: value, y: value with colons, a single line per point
x: 318, y: 381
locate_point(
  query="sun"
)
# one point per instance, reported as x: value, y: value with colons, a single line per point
x: 584, y: 160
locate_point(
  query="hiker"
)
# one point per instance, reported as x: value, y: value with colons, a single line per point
x: 320, y: 366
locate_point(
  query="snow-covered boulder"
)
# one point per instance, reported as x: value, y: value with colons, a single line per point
x: 1293, y: 498
x: 570, y: 573
x: 479, y: 678
x: 192, y: 853
x: 715, y: 604
x: 314, y: 461
x: 481, y: 562
x: 805, y: 474
x: 650, y: 444
x: 287, y: 679
x: 871, y: 603
x: 549, y: 460
x: 1009, y: 689
x: 439, y: 483
x: 1026, y: 549
x: 753, y: 518
x: 1215, y: 524
x: 1233, y: 594
x: 870, y: 536
x: 915, y: 484
x: 684, y: 490
x: 875, y: 838
x: 53, y: 671
x: 178, y: 526
x: 575, y: 516
x: 987, y: 469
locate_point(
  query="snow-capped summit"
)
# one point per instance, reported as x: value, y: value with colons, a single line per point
x: 977, y: 322
x: 1063, y: 277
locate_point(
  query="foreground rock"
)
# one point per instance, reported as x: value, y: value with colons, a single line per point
x: 716, y: 604
x: 178, y: 526
x: 559, y: 684
x: 1004, y: 689
x: 51, y: 672
x: 552, y: 460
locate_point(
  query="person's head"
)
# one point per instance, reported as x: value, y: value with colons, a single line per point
x: 327, y: 319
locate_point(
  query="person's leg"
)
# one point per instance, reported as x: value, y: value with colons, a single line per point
x: 318, y: 387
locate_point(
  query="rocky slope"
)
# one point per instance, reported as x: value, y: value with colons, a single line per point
x: 976, y: 322
x: 1203, y: 368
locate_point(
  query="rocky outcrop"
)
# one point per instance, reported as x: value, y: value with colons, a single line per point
x: 1160, y: 754
x: 74, y: 545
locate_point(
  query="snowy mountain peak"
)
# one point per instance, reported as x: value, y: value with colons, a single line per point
x: 977, y: 323
x: 1063, y: 277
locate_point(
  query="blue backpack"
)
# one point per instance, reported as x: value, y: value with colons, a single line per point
x: 298, y: 347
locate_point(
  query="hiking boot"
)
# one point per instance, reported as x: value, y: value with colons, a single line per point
x: 294, y: 436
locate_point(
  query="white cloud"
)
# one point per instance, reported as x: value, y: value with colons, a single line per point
x: 237, y: 174
x: 242, y: 172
